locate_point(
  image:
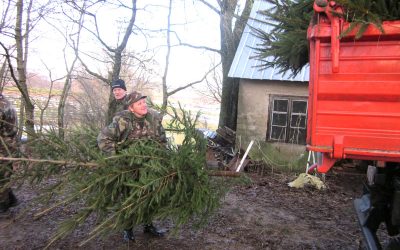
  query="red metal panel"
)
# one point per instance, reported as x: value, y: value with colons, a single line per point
x: 354, y: 103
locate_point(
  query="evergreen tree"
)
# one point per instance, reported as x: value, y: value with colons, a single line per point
x: 361, y: 13
x: 143, y: 182
x: 287, y: 42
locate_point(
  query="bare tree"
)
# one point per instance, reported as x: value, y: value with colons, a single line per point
x: 231, y: 33
x: 166, y: 92
x: 25, y: 20
x: 4, y: 23
x: 50, y: 95
x: 72, y: 40
x: 212, y: 90
x: 89, y: 104
x: 138, y: 70
x: 3, y: 75
x: 114, y: 52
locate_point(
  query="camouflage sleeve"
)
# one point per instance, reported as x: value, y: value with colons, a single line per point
x: 120, y: 105
x: 9, y: 121
x: 109, y: 136
x: 160, y: 128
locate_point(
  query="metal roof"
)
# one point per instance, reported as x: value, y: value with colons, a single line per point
x: 243, y: 66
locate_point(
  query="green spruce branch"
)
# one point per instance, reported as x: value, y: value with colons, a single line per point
x: 285, y: 46
x: 146, y: 181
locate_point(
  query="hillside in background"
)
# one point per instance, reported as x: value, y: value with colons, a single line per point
x: 92, y: 96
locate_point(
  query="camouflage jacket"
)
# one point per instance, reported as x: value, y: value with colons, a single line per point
x: 120, y: 105
x: 126, y: 126
x: 8, y: 126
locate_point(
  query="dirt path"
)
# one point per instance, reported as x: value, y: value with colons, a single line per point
x: 266, y: 214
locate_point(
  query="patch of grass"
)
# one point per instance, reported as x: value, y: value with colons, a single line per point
x: 282, y: 159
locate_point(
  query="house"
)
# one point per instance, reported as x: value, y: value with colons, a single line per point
x: 272, y: 106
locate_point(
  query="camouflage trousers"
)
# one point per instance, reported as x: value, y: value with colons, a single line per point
x: 6, y: 195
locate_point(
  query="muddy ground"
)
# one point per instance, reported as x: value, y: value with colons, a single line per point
x: 266, y: 214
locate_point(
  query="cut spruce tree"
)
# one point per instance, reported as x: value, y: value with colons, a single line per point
x: 285, y: 46
x: 145, y: 181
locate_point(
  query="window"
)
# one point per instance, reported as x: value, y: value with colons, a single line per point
x: 288, y: 120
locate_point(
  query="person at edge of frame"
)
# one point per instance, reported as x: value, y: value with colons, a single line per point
x: 8, y: 147
x: 383, y: 188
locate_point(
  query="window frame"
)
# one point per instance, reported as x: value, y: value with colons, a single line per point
x: 289, y: 115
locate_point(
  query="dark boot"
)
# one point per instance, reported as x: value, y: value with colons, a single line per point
x: 12, y: 199
x: 3, y: 208
x: 5, y: 214
x: 128, y: 235
x: 151, y: 229
x: 4, y: 200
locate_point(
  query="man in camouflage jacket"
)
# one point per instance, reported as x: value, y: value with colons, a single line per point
x: 8, y: 146
x: 137, y: 122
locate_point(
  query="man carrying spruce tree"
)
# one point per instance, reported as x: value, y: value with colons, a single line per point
x: 135, y: 123
x: 8, y: 146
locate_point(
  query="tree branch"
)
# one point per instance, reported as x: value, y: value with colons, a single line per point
x: 59, y: 162
x: 200, y: 47
x: 211, y: 7
x: 164, y: 77
x: 241, y: 20
x: 96, y: 34
x: 129, y: 28
x: 13, y: 76
x: 93, y: 165
x: 93, y: 73
x: 193, y: 83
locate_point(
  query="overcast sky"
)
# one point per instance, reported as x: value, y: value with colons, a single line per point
x: 195, y: 23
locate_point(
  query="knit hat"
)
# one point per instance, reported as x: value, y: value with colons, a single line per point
x: 118, y: 84
x: 134, y: 97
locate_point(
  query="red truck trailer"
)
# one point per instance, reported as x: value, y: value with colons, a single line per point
x: 354, y: 109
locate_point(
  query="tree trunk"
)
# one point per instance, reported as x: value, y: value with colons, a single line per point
x: 61, y: 104
x: 230, y: 38
x: 164, y: 78
x: 112, y: 108
x: 3, y: 75
x: 21, y: 68
x: 118, y: 62
x: 112, y: 105
x: 68, y: 80
x: 21, y: 118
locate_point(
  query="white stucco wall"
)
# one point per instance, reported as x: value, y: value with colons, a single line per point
x: 253, y: 106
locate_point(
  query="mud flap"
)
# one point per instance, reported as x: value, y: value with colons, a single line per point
x: 362, y: 206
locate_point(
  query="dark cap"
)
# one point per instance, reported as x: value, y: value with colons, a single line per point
x: 134, y: 97
x: 118, y: 84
